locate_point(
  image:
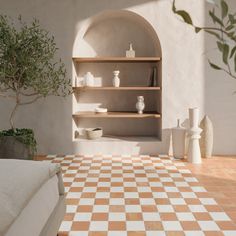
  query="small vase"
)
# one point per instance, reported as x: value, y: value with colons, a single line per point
x: 116, y: 79
x: 89, y: 79
x: 206, y: 141
x: 194, y: 153
x: 140, y: 104
x: 178, y: 141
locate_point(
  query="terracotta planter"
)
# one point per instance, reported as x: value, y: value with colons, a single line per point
x: 12, y: 148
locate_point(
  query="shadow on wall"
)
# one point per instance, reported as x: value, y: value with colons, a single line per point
x: 219, y: 98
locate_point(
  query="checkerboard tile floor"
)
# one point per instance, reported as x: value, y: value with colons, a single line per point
x: 136, y: 196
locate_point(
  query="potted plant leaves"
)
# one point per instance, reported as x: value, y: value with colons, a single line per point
x: 29, y: 71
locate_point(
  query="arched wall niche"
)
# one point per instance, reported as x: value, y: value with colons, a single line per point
x: 110, y: 32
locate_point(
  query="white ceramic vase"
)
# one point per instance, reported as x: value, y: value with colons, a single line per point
x: 178, y: 141
x: 140, y: 105
x: 89, y: 79
x: 206, y: 141
x: 116, y: 79
x: 194, y: 153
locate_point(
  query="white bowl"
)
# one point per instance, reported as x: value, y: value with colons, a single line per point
x: 100, y: 110
x: 94, y: 133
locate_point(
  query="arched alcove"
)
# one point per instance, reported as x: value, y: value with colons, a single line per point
x: 110, y: 32
x: 108, y: 35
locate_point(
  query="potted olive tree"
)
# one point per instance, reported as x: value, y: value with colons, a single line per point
x: 29, y: 70
x: 224, y: 31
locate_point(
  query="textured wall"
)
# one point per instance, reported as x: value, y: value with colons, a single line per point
x: 187, y: 80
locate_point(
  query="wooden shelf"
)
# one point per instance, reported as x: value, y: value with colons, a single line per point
x: 115, y: 59
x: 114, y: 138
x: 116, y: 88
x: 115, y: 114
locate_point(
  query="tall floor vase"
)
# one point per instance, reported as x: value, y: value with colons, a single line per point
x: 194, y: 153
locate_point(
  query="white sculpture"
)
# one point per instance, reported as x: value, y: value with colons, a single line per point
x: 116, y: 79
x: 140, y: 104
x: 178, y: 141
x: 206, y: 141
x: 89, y: 79
x: 130, y: 52
x: 194, y: 153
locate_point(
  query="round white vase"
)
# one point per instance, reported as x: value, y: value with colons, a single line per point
x: 116, y: 79
x: 206, y: 141
x: 89, y: 79
x: 140, y: 105
x: 178, y: 141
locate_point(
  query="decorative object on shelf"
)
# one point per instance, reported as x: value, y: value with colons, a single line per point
x: 194, y: 153
x: 77, y: 134
x: 76, y: 81
x: 140, y: 105
x: 130, y: 52
x: 89, y: 79
x: 116, y: 79
x: 178, y: 141
x: 94, y: 133
x: 153, y: 77
x: 206, y: 141
x: 100, y: 110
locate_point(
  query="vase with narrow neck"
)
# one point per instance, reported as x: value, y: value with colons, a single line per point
x: 140, y: 104
x: 206, y: 141
x: 178, y: 141
x: 194, y: 153
x: 116, y: 79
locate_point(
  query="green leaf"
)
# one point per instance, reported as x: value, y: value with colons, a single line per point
x: 214, y: 33
x: 224, y: 9
x: 235, y: 63
x: 215, y: 18
x: 214, y: 66
x: 220, y: 46
x: 198, y: 29
x: 225, y: 53
x: 186, y: 17
x: 230, y: 27
x: 232, y: 52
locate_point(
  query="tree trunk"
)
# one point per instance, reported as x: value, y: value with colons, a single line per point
x: 12, y: 116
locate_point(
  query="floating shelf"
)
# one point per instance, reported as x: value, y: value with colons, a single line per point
x: 115, y: 114
x: 115, y: 59
x: 117, y: 88
x: 112, y: 138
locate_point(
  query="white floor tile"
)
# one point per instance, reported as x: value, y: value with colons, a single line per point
x: 208, y: 226
x: 152, y: 216
x: 83, y: 216
x: 117, y: 201
x: 117, y: 233
x: 219, y: 216
x: 172, y: 226
x: 98, y: 226
x: 185, y: 216
x: 86, y: 201
x: 207, y: 201
x: 117, y: 216
x: 101, y: 208
x: 133, y: 208
x: 147, y: 201
x: 197, y: 208
x: 177, y: 201
x: 135, y: 226
x: 65, y: 226
x: 165, y: 208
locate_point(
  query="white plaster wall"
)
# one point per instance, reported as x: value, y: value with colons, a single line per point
x: 187, y: 82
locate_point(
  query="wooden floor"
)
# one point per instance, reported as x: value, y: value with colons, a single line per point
x: 218, y: 176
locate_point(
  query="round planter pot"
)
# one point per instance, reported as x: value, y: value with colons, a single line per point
x: 11, y: 148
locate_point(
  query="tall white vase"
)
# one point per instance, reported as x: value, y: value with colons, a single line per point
x: 206, y: 141
x: 116, y: 79
x: 178, y: 141
x: 194, y: 153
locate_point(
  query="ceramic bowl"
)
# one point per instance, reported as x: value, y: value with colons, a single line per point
x: 94, y: 133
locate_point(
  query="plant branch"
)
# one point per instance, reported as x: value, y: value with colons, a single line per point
x: 32, y: 101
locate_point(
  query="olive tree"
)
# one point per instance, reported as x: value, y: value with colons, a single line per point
x: 29, y: 68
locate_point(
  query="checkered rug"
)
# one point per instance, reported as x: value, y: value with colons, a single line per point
x: 136, y: 196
